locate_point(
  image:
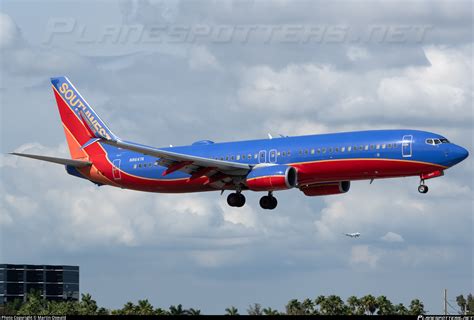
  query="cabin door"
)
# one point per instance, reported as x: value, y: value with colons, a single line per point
x: 116, y: 170
x: 407, y: 143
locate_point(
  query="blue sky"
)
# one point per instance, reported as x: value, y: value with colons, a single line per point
x: 165, y: 72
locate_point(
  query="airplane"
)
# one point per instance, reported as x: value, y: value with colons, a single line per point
x: 353, y: 235
x: 317, y: 165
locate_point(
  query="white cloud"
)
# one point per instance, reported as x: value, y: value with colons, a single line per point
x: 357, y: 53
x: 442, y: 90
x: 9, y: 32
x: 200, y: 58
x: 362, y: 255
x: 392, y: 237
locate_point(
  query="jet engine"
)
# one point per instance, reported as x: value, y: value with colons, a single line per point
x: 271, y: 178
x: 325, y: 189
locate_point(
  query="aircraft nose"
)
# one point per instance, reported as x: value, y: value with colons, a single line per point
x: 459, y: 154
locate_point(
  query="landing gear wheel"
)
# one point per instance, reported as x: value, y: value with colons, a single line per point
x: 422, y: 188
x: 273, y: 203
x: 236, y: 199
x: 241, y: 201
x: 268, y: 202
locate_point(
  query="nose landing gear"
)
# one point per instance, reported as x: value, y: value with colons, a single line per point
x: 236, y: 199
x: 268, y: 202
x: 422, y: 188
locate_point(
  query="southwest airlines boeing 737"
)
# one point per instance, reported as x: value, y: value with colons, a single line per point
x: 317, y: 165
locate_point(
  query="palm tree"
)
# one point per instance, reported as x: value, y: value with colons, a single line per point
x: 370, y: 303
x: 331, y: 305
x: 232, y: 311
x: 294, y: 307
x: 308, y: 306
x: 160, y: 312
x: 355, y: 306
x: 144, y: 307
x: 270, y: 312
x: 462, y: 303
x: 385, y: 306
x: 417, y: 307
x: 193, y: 312
x: 255, y: 310
x: 177, y: 310
x: 87, y: 306
x: 129, y: 308
x: 400, y: 309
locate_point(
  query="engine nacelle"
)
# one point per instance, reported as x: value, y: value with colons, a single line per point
x: 270, y: 178
x: 325, y: 189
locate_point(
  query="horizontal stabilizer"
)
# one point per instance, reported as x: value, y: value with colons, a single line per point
x: 69, y: 162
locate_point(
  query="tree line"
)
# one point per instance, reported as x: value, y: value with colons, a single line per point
x: 322, y: 305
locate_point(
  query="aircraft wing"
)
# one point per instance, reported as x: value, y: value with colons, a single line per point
x: 174, y: 160
x: 69, y: 162
x: 219, y: 170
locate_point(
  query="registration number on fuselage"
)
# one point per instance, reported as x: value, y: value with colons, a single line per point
x: 136, y: 159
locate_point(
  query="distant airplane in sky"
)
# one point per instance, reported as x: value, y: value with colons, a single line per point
x: 353, y: 235
x: 317, y: 165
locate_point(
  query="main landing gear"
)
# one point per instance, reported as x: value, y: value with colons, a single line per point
x: 236, y: 199
x: 422, y: 188
x: 268, y: 202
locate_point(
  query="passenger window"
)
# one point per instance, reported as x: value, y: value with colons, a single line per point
x: 157, y: 163
x: 372, y: 147
x: 222, y: 158
x: 278, y: 153
x: 377, y: 146
x: 349, y: 149
x: 140, y: 165
x: 324, y: 150
x: 383, y: 146
x: 312, y: 151
x: 437, y: 141
x: 284, y: 153
x: 394, y: 145
x: 336, y: 149
x: 366, y: 147
x: 319, y: 151
x: 227, y: 158
x: 343, y: 149
x: 330, y: 150
x: 237, y: 157
x: 289, y: 153
x: 256, y: 156
x: 232, y: 158
x: 306, y: 151
x: 389, y: 145
x: 134, y: 166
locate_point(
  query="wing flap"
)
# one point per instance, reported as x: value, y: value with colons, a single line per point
x: 68, y: 162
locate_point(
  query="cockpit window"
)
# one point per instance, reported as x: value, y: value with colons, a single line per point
x: 437, y: 141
